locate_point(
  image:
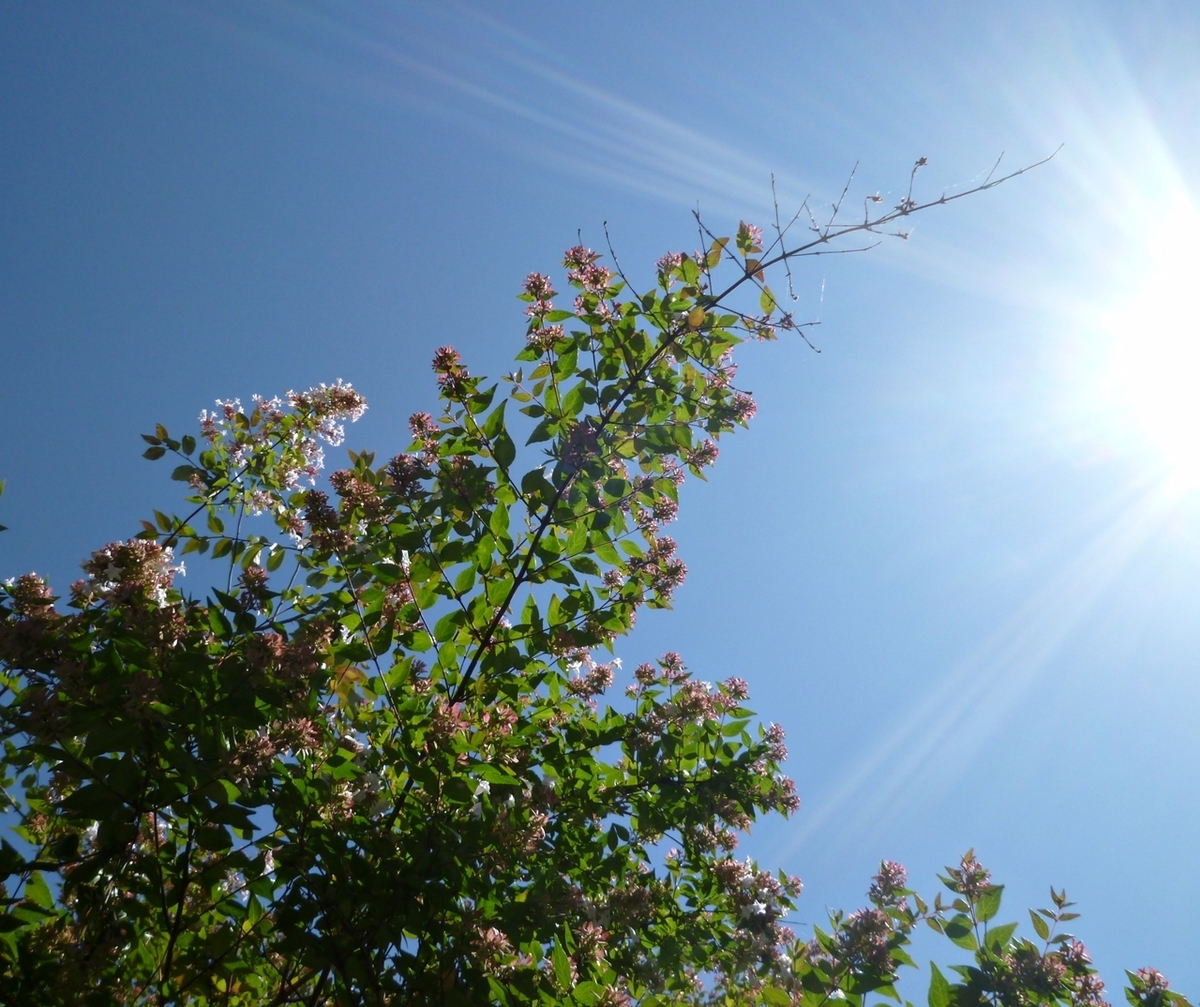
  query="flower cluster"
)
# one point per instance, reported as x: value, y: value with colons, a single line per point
x: 744, y: 407
x: 452, y: 375
x: 888, y: 884
x: 1149, y: 988
x: 407, y: 472
x: 544, y: 338
x: 591, y: 679
x: 703, y: 456
x: 1086, y: 988
x: 126, y: 571
x: 325, y: 531
x: 970, y: 878
x: 30, y: 595
x: 538, y: 291
x: 749, y: 238
x: 358, y: 495
x: 864, y: 942
x: 425, y: 433
x: 329, y: 405
x: 582, y: 270
x: 668, y: 263
x: 258, y: 457
x: 660, y: 568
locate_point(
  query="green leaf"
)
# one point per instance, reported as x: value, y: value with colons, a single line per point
x: 38, y: 892
x: 498, y: 522
x: 213, y: 838
x: 587, y: 993
x: 495, y: 422
x: 155, y: 452
x: 1039, y: 925
x: 562, y: 965
x: 188, y: 443
x: 447, y: 626
x: 714, y: 253
x: 504, y: 450
x: 989, y: 902
x: 939, y: 987
x: 465, y: 580
x: 534, y: 482
x: 766, y: 300
x: 997, y: 937
x: 960, y: 930
x: 776, y: 997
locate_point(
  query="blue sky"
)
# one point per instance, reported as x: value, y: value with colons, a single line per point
x: 957, y: 553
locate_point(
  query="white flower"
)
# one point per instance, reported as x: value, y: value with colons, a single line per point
x: 477, y: 810
x: 483, y: 788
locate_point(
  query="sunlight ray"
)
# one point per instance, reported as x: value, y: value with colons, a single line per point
x: 906, y: 767
x: 492, y: 68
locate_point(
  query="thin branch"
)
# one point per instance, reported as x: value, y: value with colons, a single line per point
x: 838, y: 205
x: 997, y: 165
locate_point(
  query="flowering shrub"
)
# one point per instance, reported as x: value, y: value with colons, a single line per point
x: 376, y: 764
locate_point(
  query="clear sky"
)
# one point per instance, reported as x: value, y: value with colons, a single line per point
x: 957, y: 553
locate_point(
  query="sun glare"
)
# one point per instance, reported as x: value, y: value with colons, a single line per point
x: 1154, y: 366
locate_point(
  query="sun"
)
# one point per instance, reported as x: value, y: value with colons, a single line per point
x: 1153, y: 369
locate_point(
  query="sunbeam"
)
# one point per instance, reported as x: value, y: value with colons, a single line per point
x: 488, y: 76
x: 907, y: 766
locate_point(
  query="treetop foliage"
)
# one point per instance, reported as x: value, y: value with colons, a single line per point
x: 379, y: 761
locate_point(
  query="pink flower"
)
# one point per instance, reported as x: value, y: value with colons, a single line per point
x: 578, y: 257
x: 537, y: 285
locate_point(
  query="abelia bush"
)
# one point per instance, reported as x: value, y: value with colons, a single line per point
x: 382, y: 761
